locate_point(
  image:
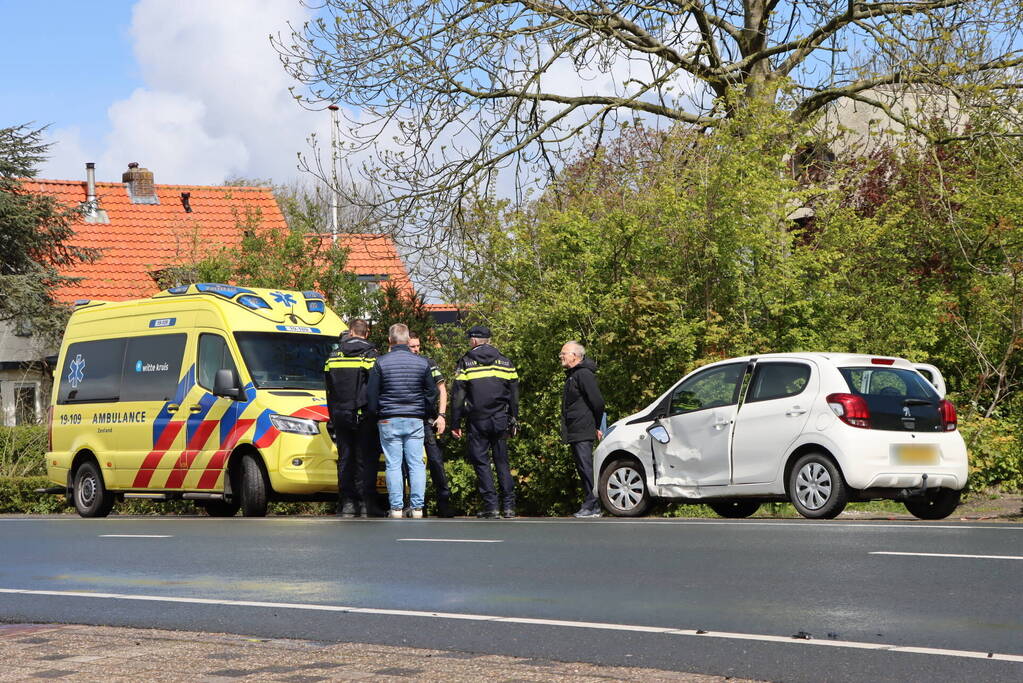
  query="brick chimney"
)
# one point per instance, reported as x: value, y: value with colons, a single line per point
x: 139, y: 183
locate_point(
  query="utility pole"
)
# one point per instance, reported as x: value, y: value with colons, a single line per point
x: 333, y: 170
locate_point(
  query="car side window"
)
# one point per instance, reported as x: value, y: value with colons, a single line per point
x: 214, y: 354
x: 778, y: 380
x: 152, y: 367
x: 709, y: 389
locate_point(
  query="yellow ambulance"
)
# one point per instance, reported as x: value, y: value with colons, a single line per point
x: 204, y: 392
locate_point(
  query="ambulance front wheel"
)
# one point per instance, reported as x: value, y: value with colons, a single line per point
x: 252, y: 487
x: 90, y: 494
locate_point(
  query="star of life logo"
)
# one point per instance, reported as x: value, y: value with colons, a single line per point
x: 283, y: 298
x: 77, y: 371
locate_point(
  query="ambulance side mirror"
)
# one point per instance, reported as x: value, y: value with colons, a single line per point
x: 226, y: 383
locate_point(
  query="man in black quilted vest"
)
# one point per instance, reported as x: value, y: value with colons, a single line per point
x: 402, y: 394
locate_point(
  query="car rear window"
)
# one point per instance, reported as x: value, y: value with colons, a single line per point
x: 898, y: 399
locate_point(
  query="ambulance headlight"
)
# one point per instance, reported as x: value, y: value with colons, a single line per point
x: 295, y: 425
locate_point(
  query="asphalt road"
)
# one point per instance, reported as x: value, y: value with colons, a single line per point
x: 717, y: 597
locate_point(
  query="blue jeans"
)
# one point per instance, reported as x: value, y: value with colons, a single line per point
x: 402, y: 438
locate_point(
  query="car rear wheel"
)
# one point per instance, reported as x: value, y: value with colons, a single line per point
x: 252, y: 487
x: 935, y: 504
x: 734, y: 509
x: 816, y: 487
x: 90, y: 494
x: 623, y: 489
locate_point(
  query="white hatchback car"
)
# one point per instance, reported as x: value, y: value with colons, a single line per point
x: 817, y: 429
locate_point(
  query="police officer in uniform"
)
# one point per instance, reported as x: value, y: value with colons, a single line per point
x: 355, y: 432
x: 434, y: 457
x: 486, y: 393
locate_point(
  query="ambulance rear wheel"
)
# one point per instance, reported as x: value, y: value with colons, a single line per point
x: 90, y: 494
x: 252, y: 487
x: 219, y: 508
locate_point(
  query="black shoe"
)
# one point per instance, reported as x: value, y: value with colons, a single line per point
x: 586, y: 513
x: 508, y: 513
x: 488, y: 514
x: 347, y: 510
x: 444, y: 510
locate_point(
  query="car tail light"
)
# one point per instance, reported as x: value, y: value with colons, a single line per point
x: 949, y: 419
x: 851, y: 409
x: 882, y: 361
x: 49, y: 428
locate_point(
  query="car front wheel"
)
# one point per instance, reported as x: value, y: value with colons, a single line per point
x: 935, y: 504
x: 816, y: 487
x: 253, y: 489
x: 623, y: 489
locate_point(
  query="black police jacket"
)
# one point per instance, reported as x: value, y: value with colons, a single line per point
x: 346, y: 374
x: 486, y: 386
x: 582, y: 405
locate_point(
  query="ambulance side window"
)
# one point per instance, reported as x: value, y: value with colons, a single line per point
x: 92, y: 372
x: 152, y: 367
x: 214, y: 354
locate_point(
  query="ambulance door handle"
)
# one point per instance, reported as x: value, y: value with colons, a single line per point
x: 172, y: 407
x: 195, y: 409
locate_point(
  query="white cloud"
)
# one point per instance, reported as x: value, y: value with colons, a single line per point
x: 215, y: 101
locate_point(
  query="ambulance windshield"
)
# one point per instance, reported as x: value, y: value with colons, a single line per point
x: 280, y: 360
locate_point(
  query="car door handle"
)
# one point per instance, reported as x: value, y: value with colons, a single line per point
x: 172, y: 407
x: 795, y: 412
x: 722, y: 425
x: 195, y: 409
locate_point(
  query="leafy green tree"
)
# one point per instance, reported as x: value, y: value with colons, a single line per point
x: 451, y: 94
x: 36, y: 233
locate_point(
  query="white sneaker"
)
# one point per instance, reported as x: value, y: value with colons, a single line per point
x: 395, y: 514
x: 417, y: 513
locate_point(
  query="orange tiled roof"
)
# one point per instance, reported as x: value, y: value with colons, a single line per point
x: 143, y: 238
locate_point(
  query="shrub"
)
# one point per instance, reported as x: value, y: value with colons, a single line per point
x: 22, y: 451
x: 996, y: 452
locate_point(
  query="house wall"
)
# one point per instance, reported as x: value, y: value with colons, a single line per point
x: 25, y: 382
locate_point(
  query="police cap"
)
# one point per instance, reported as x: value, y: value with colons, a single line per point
x: 479, y: 332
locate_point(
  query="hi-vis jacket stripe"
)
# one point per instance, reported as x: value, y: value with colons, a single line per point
x: 206, y: 433
x: 347, y: 363
x: 481, y: 371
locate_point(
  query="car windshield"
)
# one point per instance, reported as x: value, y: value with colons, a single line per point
x: 893, y: 382
x: 285, y: 361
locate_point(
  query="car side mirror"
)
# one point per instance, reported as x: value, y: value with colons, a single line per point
x: 225, y: 383
x: 658, y: 433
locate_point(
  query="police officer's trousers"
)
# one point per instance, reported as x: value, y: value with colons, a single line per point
x: 358, y: 456
x: 486, y: 438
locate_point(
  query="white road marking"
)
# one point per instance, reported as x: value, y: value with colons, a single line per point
x: 971, y: 557
x: 452, y: 540
x: 666, y: 522
x: 135, y: 536
x: 594, y: 625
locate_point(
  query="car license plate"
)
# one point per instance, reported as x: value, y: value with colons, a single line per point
x: 915, y: 454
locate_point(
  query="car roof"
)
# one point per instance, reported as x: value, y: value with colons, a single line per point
x: 837, y: 359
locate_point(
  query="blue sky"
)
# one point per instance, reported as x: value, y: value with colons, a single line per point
x: 191, y: 89
x: 65, y: 62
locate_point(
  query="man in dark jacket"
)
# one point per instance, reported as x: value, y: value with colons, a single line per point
x: 346, y: 375
x: 486, y: 392
x: 582, y: 408
x: 402, y: 394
